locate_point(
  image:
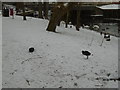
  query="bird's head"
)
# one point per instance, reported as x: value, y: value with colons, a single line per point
x: 83, y: 51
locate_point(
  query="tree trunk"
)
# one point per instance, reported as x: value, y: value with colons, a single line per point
x: 20, y: 5
x: 52, y: 26
x: 40, y: 9
x: 58, y: 11
x: 24, y: 16
x: 53, y: 22
x: 59, y: 22
x: 67, y: 19
x: 46, y: 7
x: 78, y: 20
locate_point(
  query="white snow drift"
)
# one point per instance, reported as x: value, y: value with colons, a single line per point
x: 57, y: 60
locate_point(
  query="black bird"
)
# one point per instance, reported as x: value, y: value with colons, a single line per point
x: 31, y: 49
x: 86, y: 53
x: 106, y: 36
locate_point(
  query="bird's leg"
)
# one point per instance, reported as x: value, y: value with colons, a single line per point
x: 87, y: 57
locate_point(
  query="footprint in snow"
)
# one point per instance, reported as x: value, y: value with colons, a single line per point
x: 75, y: 84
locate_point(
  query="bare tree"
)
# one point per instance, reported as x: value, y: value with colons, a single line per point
x: 20, y: 5
x: 40, y: 9
x: 24, y: 15
x: 46, y: 8
x: 67, y: 19
x: 59, y: 10
x: 78, y: 17
x: 78, y: 20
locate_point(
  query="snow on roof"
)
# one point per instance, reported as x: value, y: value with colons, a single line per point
x: 97, y: 15
x: 10, y: 6
x: 111, y: 6
x: 60, y: 0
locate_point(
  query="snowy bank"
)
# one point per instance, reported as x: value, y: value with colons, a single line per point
x: 57, y: 61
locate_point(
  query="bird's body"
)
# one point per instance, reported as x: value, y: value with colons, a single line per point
x: 101, y: 33
x: 106, y: 36
x: 86, y: 53
x: 31, y: 49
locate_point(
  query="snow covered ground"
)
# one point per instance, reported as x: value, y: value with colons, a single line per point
x: 0, y: 51
x: 57, y: 61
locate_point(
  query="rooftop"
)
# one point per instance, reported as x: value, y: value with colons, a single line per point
x: 111, y: 6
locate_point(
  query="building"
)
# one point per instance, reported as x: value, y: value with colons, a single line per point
x: 89, y: 13
x: 96, y: 13
x: 111, y: 12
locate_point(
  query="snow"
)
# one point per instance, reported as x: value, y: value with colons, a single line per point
x: 9, y: 6
x: 65, y: 4
x: 111, y: 6
x: 0, y: 52
x: 57, y: 60
x: 97, y: 15
x: 0, y: 12
x: 96, y: 27
x: 58, y: 6
x: 60, y: 0
x: 86, y: 26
